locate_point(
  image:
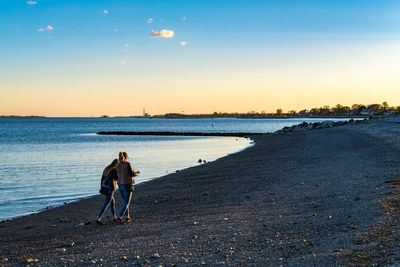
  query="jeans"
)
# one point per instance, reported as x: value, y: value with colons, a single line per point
x: 107, y: 200
x: 126, y: 196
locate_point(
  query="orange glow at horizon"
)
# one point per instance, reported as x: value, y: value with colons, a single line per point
x: 362, y: 76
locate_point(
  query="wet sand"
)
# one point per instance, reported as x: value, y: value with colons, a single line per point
x: 294, y: 199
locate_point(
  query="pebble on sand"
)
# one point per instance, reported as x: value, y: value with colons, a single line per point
x: 156, y: 255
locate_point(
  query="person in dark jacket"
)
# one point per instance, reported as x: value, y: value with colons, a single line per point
x: 126, y: 179
x: 108, y: 181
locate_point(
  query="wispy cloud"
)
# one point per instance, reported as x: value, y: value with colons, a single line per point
x: 183, y: 43
x: 122, y: 62
x: 184, y: 18
x: 150, y: 20
x: 127, y: 45
x: 31, y: 2
x: 163, y: 34
x: 105, y: 11
x: 48, y: 28
x: 115, y: 30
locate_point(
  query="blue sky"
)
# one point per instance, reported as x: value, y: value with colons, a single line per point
x: 78, y: 47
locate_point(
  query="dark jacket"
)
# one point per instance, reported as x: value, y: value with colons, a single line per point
x: 110, y: 180
x: 125, y: 173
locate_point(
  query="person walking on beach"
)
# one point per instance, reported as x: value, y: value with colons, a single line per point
x: 126, y: 179
x: 108, y: 186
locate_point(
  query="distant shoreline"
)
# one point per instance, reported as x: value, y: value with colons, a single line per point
x: 17, y: 117
x: 194, y: 117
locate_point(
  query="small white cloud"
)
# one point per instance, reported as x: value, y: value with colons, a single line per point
x: 123, y: 62
x: 127, y: 45
x: 183, y: 43
x: 150, y: 20
x: 31, y: 2
x: 105, y: 11
x: 48, y: 28
x: 184, y: 18
x: 163, y: 34
x: 115, y: 30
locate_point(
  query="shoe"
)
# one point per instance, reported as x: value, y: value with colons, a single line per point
x: 128, y: 219
x: 120, y: 219
x: 99, y: 222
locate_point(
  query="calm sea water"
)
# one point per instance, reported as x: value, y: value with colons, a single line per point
x: 48, y: 161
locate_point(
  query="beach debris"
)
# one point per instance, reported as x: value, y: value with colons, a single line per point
x: 63, y: 249
x: 30, y: 260
x: 396, y: 180
x: 330, y: 217
x: 195, y: 236
x: 72, y: 244
x: 137, y: 257
x: 124, y: 258
x: 195, y: 223
x: 155, y: 255
x: 203, y: 263
x: 225, y: 219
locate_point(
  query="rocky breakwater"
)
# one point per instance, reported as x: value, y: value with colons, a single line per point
x: 305, y: 126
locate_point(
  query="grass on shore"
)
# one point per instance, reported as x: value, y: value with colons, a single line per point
x: 381, y: 245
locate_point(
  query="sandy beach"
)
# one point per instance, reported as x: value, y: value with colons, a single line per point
x: 323, y: 197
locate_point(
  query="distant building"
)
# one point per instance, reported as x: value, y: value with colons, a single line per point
x: 367, y: 112
x: 389, y: 113
x: 145, y: 115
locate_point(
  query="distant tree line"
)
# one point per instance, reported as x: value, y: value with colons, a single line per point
x: 339, y: 110
x: 356, y: 110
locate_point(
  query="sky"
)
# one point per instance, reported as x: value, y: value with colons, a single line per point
x: 115, y: 57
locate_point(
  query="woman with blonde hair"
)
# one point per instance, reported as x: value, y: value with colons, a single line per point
x: 108, y: 186
x: 126, y: 179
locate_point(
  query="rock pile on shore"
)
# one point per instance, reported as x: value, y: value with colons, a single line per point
x: 305, y: 126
